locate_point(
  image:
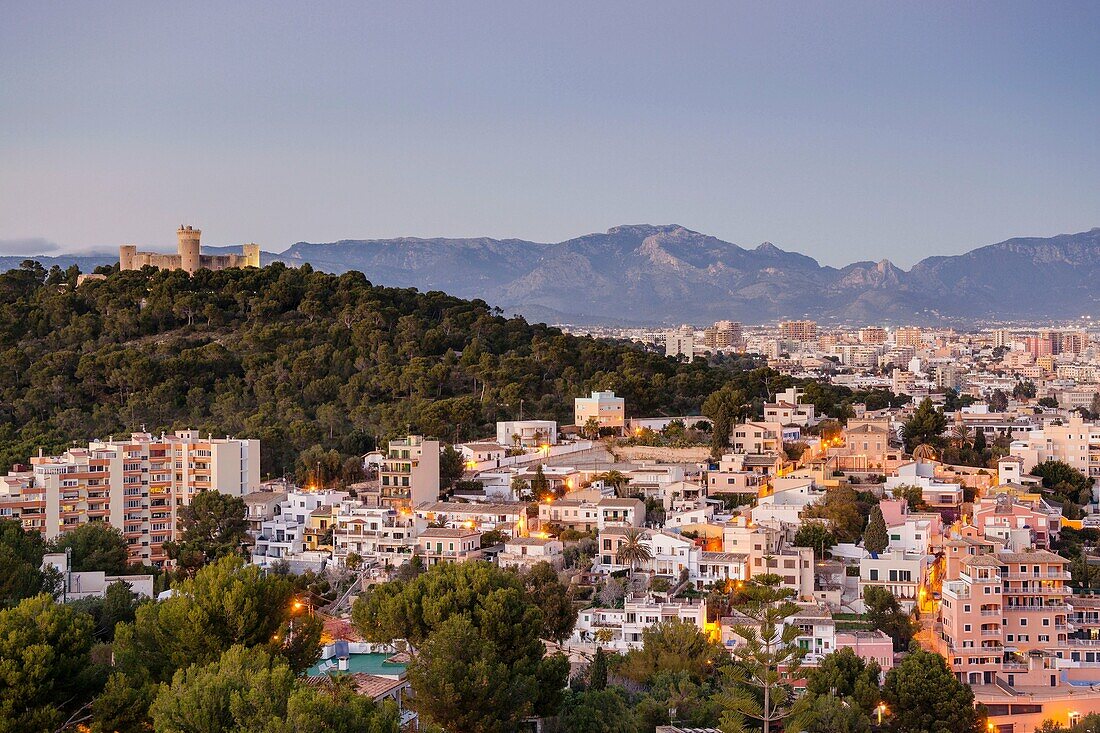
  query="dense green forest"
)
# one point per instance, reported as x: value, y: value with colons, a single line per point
x: 297, y: 358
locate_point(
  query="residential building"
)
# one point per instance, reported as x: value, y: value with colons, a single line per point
x: 444, y: 544
x: 137, y: 484
x: 789, y: 409
x: 624, y: 626
x: 607, y: 409
x: 377, y: 535
x: 528, y: 433
x: 804, y: 331
x: 902, y: 573
x: 587, y: 515
x: 945, y: 497
x: 523, y: 552
x: 77, y: 585
x: 283, y: 537
x: 410, y: 472
x: 511, y: 519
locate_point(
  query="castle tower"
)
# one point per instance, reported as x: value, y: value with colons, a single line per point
x: 251, y: 255
x: 126, y: 255
x: 188, y: 242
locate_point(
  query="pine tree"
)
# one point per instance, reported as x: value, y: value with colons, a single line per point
x: 597, y: 673
x: 875, y: 539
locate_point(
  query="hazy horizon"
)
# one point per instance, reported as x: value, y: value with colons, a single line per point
x: 847, y: 132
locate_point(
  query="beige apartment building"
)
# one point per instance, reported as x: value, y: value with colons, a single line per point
x: 137, y: 484
x: 1075, y: 442
x: 188, y: 257
x: 410, y: 473
x: 798, y: 330
x: 609, y: 410
x: 908, y: 336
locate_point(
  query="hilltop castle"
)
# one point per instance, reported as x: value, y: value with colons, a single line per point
x: 189, y: 258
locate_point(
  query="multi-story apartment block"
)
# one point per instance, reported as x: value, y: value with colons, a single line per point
x: 136, y: 484
x: 680, y: 343
x: 804, y: 331
x: 377, y: 535
x: 283, y: 537
x: 872, y: 335
x: 908, y: 336
x: 624, y: 626
x: 728, y: 335
x: 410, y: 473
x: 1075, y: 442
x: 608, y: 410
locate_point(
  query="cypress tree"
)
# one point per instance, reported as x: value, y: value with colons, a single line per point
x: 597, y: 673
x: 875, y: 539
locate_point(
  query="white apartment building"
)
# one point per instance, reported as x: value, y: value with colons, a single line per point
x: 789, y: 409
x: 586, y: 515
x: 379, y: 535
x: 531, y: 433
x: 283, y: 536
x: 939, y: 495
x: 93, y: 583
x: 902, y: 573
x: 625, y: 625
x: 137, y: 484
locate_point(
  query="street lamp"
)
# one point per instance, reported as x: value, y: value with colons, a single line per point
x: 881, y: 710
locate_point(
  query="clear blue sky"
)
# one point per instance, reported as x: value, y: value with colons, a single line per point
x: 845, y: 130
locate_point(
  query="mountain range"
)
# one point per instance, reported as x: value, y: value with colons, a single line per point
x: 669, y: 275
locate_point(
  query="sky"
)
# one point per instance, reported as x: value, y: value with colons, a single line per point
x: 844, y: 130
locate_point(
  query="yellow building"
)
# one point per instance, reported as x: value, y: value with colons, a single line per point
x: 188, y: 258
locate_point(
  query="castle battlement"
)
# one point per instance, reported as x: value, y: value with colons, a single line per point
x: 188, y: 257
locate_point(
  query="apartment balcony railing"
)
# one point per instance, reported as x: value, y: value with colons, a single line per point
x: 993, y: 613
x: 1061, y: 591
x: 991, y: 632
x: 1036, y: 576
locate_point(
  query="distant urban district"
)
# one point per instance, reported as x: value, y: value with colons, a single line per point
x: 244, y: 498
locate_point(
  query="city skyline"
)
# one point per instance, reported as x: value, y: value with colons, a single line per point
x: 849, y: 133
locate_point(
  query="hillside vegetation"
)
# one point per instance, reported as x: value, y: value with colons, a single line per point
x: 298, y: 358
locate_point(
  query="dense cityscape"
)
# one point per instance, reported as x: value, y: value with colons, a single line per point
x: 506, y: 367
x: 770, y: 527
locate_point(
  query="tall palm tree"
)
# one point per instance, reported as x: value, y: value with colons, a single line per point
x: 960, y: 434
x: 633, y: 550
x: 616, y: 480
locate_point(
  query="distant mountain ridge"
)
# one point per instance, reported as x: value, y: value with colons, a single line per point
x: 669, y: 274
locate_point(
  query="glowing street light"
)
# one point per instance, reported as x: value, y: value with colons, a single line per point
x: 881, y: 710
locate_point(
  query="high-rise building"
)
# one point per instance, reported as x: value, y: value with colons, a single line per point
x: 137, y: 484
x: 680, y: 342
x: 728, y: 335
x: 908, y: 336
x: 1002, y: 338
x: 872, y: 335
x: 798, y: 330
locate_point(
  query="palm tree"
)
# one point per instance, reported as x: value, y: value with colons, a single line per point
x: 616, y: 480
x: 960, y: 434
x: 1084, y: 573
x: 633, y: 550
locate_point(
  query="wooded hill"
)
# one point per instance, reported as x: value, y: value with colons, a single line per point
x: 299, y: 358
